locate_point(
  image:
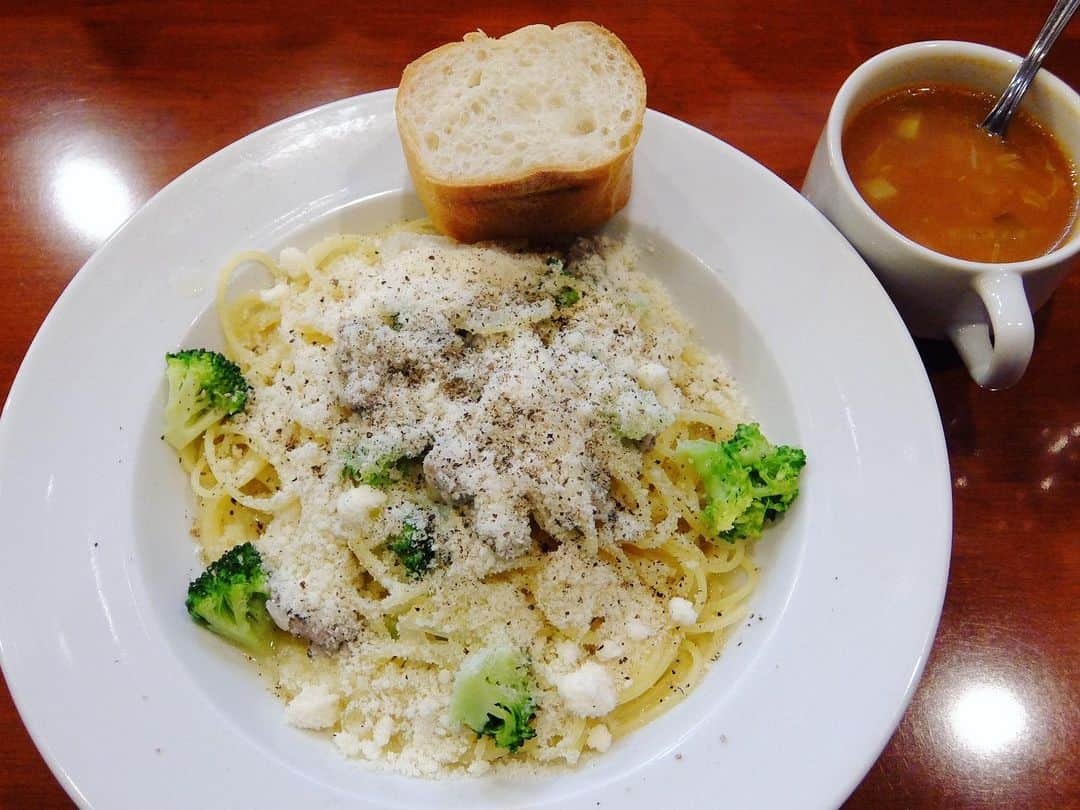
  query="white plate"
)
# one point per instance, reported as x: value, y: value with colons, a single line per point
x: 133, y: 706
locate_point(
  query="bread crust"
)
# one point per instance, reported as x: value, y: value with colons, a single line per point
x: 539, y: 203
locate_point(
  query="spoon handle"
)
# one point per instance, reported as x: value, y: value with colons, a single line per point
x: 999, y: 117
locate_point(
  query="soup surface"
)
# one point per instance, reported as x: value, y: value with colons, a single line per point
x: 920, y: 160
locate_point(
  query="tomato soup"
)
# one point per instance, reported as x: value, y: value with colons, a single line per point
x: 918, y: 157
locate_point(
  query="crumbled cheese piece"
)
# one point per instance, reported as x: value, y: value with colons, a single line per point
x: 569, y: 653
x: 315, y: 707
x: 657, y: 379
x: 356, y: 505
x: 599, y: 738
x: 653, y: 376
x: 588, y: 691
x: 638, y: 630
x: 384, y: 730
x: 682, y: 611
x: 347, y: 743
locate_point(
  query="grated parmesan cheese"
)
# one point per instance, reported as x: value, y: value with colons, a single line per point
x: 682, y: 611
x: 347, y: 743
x: 354, y: 506
x: 568, y: 652
x: 522, y: 426
x: 655, y: 378
x: 599, y: 738
x: 588, y: 691
x: 316, y: 707
x: 525, y: 414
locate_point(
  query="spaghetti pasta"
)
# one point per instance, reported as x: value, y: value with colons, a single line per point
x: 273, y: 476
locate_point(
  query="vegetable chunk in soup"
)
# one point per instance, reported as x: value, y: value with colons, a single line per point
x: 919, y: 159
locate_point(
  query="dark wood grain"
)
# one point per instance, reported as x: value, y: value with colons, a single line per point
x: 148, y: 89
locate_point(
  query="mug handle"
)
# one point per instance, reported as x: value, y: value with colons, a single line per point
x: 1000, y: 364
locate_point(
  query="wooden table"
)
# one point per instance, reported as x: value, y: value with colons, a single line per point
x: 141, y: 91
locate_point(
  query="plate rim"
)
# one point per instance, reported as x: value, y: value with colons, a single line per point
x: 82, y: 279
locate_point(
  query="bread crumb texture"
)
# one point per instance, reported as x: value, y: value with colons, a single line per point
x: 538, y: 98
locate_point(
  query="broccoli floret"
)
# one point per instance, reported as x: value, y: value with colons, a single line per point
x: 204, y: 388
x: 493, y: 696
x: 380, y: 472
x: 726, y: 483
x: 747, y: 480
x: 567, y: 296
x: 229, y: 598
x: 413, y: 546
x: 774, y: 471
x: 361, y: 467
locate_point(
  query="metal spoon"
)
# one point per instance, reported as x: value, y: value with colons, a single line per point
x: 998, y: 119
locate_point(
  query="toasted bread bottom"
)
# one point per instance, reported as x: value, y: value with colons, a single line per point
x: 548, y: 205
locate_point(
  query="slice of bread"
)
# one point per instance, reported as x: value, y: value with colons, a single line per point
x: 529, y: 135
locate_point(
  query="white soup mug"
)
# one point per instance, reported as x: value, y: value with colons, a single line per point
x: 984, y: 308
